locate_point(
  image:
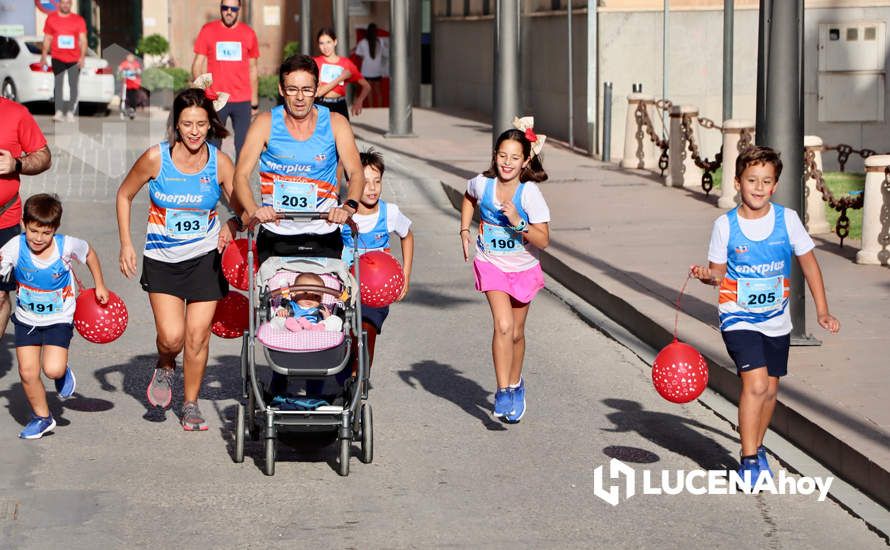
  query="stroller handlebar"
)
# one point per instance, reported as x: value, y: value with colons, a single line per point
x: 307, y: 217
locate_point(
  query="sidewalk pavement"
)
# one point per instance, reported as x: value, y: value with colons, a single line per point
x: 624, y: 242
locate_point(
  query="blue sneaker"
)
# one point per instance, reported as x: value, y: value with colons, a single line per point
x: 38, y: 426
x: 503, y: 402
x: 518, y: 403
x: 762, y: 462
x: 66, y: 384
x: 749, y: 467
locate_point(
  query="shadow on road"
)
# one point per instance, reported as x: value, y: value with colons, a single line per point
x: 20, y: 410
x: 672, y: 433
x: 448, y: 383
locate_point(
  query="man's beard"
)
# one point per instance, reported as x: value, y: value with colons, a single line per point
x: 232, y: 24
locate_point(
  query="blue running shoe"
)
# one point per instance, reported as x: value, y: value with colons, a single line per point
x: 749, y: 471
x: 762, y: 462
x: 503, y: 402
x: 66, y: 384
x: 38, y: 426
x: 518, y: 403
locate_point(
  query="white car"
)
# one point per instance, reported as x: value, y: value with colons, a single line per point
x: 24, y: 79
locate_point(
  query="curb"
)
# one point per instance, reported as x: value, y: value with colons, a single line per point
x: 833, y: 453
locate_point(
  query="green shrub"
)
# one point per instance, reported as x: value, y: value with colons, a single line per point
x: 268, y: 86
x: 182, y: 78
x: 153, y: 44
x: 166, y: 78
x: 291, y: 48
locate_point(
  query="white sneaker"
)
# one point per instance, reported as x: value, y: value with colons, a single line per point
x: 59, y: 116
x: 69, y: 117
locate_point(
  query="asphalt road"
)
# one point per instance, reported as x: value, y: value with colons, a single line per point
x: 117, y: 473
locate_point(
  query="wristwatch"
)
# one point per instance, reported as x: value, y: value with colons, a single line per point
x: 18, y: 166
x: 351, y: 203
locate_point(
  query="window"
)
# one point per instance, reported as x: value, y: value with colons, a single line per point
x: 870, y: 33
x: 834, y: 35
x: 852, y: 34
x: 9, y: 49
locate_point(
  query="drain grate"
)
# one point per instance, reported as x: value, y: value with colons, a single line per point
x: 9, y: 510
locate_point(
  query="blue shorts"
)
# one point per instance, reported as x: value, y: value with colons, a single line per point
x: 58, y: 334
x: 375, y: 316
x: 752, y: 350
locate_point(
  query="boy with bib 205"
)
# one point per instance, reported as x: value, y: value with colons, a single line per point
x: 750, y: 261
x: 41, y: 260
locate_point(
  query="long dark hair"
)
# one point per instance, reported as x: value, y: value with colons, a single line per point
x: 371, y: 37
x: 194, y: 97
x: 534, y: 171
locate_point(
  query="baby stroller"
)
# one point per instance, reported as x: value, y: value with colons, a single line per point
x: 319, y: 361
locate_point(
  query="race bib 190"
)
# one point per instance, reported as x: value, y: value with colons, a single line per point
x: 40, y: 302
x: 761, y: 294
x: 294, y: 196
x: 500, y: 240
x: 228, y: 51
x: 65, y: 42
x: 330, y: 73
x: 182, y: 223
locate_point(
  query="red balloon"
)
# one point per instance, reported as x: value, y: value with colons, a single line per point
x: 234, y: 263
x: 382, y: 278
x: 99, y: 323
x: 232, y: 316
x: 680, y: 373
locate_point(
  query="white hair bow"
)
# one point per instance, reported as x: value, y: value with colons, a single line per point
x: 526, y: 125
x: 204, y: 82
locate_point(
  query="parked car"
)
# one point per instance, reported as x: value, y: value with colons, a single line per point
x: 24, y: 79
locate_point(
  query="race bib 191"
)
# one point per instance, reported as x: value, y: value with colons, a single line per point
x: 40, y: 302
x: 228, y: 51
x: 294, y: 196
x: 761, y: 294
x: 181, y: 223
x: 330, y: 73
x: 500, y: 240
x: 65, y: 42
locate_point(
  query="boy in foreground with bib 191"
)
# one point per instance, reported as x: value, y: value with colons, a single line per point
x: 750, y: 261
x: 45, y: 302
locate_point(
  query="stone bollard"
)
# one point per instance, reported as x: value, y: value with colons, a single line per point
x: 815, y: 207
x: 639, y: 151
x: 682, y: 169
x: 732, y: 136
x: 875, y: 213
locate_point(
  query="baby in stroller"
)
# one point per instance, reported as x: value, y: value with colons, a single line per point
x: 298, y: 311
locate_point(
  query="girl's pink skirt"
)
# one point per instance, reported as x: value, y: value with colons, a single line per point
x: 521, y: 285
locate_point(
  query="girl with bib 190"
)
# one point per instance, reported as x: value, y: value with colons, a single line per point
x: 514, y: 226
x: 181, y: 266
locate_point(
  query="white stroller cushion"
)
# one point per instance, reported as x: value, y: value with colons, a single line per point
x: 304, y: 340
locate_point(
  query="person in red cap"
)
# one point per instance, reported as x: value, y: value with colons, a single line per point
x: 228, y: 50
x: 23, y: 150
x: 65, y: 40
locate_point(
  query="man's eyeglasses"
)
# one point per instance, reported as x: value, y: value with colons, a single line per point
x: 292, y: 91
x: 233, y: 9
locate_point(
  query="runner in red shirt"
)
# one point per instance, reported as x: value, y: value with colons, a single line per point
x: 19, y: 135
x: 228, y: 50
x: 65, y: 39
x: 333, y: 74
x: 131, y: 72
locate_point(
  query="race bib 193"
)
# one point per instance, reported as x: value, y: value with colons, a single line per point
x: 330, y: 73
x: 761, y: 294
x: 500, y: 240
x: 65, y: 42
x: 187, y: 223
x: 294, y: 196
x: 228, y: 51
x: 41, y: 302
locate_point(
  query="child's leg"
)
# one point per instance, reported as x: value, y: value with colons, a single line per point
x: 29, y: 371
x: 755, y: 388
x: 170, y: 325
x: 520, y: 313
x: 55, y: 361
x: 198, y: 318
x: 769, y: 405
x: 502, y: 337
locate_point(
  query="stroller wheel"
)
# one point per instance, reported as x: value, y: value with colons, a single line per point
x: 239, y: 435
x: 270, y: 457
x: 344, y: 456
x: 367, y: 434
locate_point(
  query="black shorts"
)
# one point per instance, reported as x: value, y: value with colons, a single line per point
x: 6, y: 235
x: 751, y: 350
x: 58, y: 334
x: 196, y: 280
x: 336, y: 105
x: 375, y: 316
x: 310, y: 245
